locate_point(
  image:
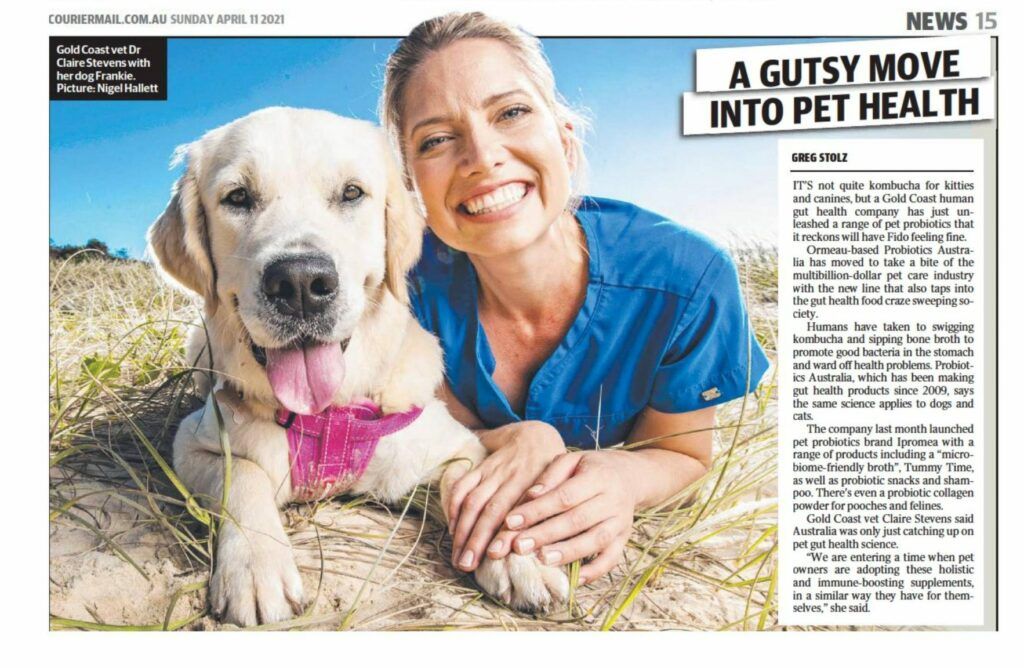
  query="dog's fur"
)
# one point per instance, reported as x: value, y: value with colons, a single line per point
x: 295, y: 163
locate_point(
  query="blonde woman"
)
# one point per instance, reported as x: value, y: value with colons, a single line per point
x: 564, y: 320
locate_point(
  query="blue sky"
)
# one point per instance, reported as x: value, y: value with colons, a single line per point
x: 109, y: 175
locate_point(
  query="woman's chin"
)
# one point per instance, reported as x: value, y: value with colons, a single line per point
x: 493, y: 238
x: 497, y: 242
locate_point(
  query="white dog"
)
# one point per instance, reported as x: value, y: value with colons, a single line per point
x: 296, y: 229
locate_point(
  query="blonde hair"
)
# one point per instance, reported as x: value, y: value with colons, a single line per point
x: 437, y: 33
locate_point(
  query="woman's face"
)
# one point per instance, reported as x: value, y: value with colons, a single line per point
x: 484, y: 150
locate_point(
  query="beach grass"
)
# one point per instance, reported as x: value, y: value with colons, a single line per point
x: 131, y: 548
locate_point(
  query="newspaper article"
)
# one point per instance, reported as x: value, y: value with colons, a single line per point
x: 515, y: 316
x: 887, y: 465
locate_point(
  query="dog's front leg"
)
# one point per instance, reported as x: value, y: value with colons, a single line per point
x: 255, y: 579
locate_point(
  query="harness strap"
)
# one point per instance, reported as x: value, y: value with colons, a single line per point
x: 330, y: 451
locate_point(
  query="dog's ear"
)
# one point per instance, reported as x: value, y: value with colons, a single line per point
x: 179, y: 239
x: 404, y: 233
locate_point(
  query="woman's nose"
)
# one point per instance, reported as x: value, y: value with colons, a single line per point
x: 482, y: 151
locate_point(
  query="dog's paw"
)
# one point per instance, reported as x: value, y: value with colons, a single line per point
x: 522, y: 582
x: 255, y: 580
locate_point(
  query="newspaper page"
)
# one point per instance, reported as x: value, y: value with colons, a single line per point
x: 650, y: 316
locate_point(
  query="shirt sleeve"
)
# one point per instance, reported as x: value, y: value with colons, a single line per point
x: 714, y: 356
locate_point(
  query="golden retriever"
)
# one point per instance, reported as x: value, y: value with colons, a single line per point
x: 296, y: 229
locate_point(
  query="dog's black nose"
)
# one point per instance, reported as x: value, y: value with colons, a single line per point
x: 301, y: 286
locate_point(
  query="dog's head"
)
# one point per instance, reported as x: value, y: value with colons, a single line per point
x: 291, y: 224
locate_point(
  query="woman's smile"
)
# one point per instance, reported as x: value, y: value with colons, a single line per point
x: 496, y: 203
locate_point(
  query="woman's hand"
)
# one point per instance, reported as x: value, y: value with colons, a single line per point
x: 481, y: 499
x: 581, y: 505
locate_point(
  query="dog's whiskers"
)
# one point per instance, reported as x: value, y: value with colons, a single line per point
x: 236, y: 256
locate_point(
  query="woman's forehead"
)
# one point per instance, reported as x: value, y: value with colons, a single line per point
x: 469, y: 74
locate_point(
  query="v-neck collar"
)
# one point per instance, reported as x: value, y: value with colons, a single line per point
x: 485, y: 361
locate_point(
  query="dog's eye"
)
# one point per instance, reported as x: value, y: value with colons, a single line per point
x: 351, y: 193
x: 240, y: 198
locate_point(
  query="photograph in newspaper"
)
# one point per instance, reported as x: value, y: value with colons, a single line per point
x: 469, y: 329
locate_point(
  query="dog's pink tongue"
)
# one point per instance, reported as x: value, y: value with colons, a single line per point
x: 305, y: 379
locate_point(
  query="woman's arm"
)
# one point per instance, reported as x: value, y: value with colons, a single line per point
x: 681, y: 458
x: 583, y: 503
x: 456, y: 408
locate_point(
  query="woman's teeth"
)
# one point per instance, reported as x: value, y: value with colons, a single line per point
x: 496, y: 200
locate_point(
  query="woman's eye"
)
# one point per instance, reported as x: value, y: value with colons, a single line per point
x: 514, y: 112
x: 239, y: 198
x: 432, y: 142
x: 351, y: 193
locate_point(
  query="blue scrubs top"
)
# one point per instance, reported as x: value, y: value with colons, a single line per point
x: 663, y: 324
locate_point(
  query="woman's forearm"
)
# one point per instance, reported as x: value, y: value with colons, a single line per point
x: 679, y: 455
x: 656, y: 474
x: 660, y: 474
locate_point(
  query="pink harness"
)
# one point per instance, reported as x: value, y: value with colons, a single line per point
x: 330, y: 451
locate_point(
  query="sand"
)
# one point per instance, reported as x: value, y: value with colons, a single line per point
x: 356, y: 584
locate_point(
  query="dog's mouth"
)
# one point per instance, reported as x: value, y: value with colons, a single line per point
x: 260, y: 353
x: 305, y: 374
